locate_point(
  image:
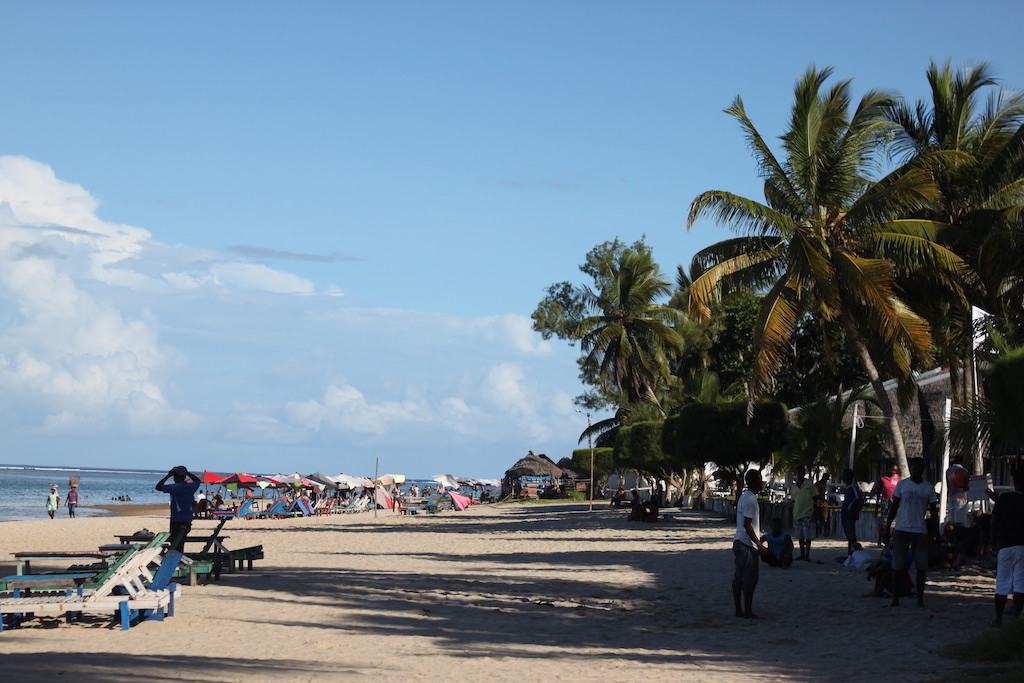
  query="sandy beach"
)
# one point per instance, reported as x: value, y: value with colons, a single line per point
x: 496, y: 593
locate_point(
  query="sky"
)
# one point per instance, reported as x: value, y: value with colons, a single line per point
x: 276, y: 237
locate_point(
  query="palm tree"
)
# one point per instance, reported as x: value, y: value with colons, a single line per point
x: 981, y: 183
x: 630, y: 337
x: 827, y: 240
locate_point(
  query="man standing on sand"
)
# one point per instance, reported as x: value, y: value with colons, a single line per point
x: 849, y: 513
x: 182, y: 494
x: 804, y: 493
x: 747, y: 546
x: 912, y: 498
x: 1008, y: 534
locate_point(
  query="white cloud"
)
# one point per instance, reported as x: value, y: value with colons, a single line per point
x: 258, y: 276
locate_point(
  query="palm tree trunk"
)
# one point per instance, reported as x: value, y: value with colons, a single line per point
x: 970, y: 391
x: 860, y: 350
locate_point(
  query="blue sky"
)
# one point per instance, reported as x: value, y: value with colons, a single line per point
x: 301, y: 236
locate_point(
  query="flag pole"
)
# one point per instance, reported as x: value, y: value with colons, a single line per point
x: 376, y: 475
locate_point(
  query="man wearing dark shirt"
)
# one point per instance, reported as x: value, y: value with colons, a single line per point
x: 1008, y: 533
x: 182, y: 497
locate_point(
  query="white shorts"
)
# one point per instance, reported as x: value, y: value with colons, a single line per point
x: 1010, y: 571
x: 957, y: 509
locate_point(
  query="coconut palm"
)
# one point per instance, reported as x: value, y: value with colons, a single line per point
x: 981, y: 183
x: 631, y: 335
x: 828, y: 240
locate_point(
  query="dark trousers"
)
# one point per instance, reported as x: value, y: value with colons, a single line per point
x: 746, y: 566
x: 850, y: 529
x: 179, y: 530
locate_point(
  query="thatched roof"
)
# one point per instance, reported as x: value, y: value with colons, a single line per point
x: 565, y: 464
x: 534, y: 465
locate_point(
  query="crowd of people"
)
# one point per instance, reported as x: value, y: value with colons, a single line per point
x: 910, y: 534
x: 911, y: 538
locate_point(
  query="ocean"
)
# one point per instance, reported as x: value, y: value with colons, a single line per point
x: 23, y: 489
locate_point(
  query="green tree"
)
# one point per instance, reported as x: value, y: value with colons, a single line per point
x: 975, y: 154
x: 631, y: 336
x: 827, y: 239
x: 564, y: 304
x: 724, y: 434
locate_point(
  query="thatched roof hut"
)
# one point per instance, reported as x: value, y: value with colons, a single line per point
x: 565, y: 464
x: 532, y: 465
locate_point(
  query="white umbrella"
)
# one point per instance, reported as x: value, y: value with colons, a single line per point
x: 446, y: 480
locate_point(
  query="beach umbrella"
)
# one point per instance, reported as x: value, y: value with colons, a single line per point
x: 211, y: 478
x: 389, y: 479
x: 240, y: 481
x: 286, y: 479
x: 353, y: 482
x: 323, y: 479
x: 446, y: 480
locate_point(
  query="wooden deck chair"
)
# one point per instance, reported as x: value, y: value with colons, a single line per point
x: 131, y: 591
x: 84, y: 578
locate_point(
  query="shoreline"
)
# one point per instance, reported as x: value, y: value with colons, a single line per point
x: 127, y: 510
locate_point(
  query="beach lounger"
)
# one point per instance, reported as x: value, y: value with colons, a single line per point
x: 131, y: 591
x: 324, y: 506
x: 244, y: 511
x: 300, y: 507
x: 415, y: 506
x: 83, y: 576
x: 276, y: 511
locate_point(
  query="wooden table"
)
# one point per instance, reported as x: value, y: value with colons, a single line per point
x: 210, y: 542
x: 43, y: 581
x: 25, y: 558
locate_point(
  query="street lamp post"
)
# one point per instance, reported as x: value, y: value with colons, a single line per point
x: 590, y: 445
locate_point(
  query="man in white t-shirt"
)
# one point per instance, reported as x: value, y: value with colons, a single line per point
x: 912, y: 498
x: 747, y: 548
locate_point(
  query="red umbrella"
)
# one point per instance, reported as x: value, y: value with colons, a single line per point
x: 242, y: 480
x: 211, y: 478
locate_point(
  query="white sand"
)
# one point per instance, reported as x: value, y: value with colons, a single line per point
x: 515, y: 592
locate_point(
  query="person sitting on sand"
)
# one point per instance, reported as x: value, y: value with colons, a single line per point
x: 202, y: 508
x: 619, y: 498
x: 780, y: 546
x: 637, y: 510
